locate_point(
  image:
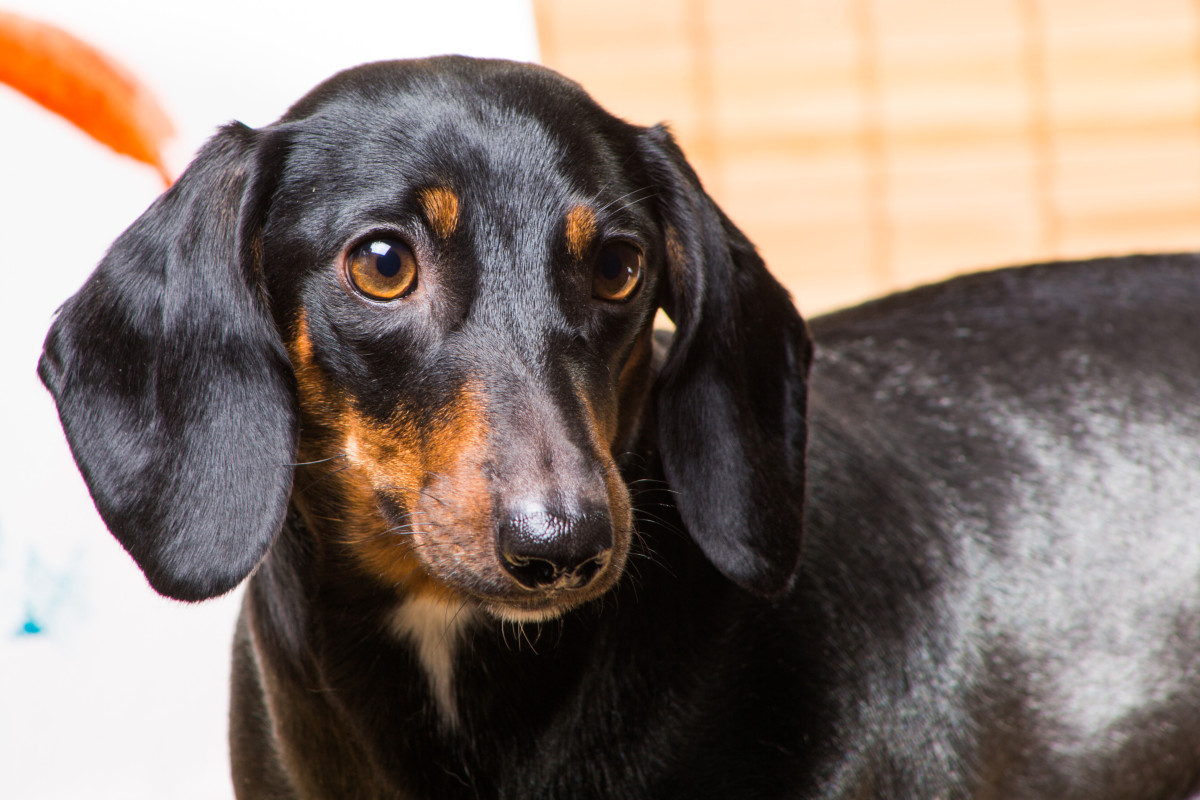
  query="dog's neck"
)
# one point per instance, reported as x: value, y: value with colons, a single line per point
x: 431, y: 625
x: 434, y: 629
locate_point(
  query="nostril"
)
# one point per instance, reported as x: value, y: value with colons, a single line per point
x: 543, y: 550
x: 583, y: 574
x: 533, y: 573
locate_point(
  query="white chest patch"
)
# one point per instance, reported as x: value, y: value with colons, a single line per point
x: 435, y: 628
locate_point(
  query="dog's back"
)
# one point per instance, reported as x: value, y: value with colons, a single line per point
x: 1004, y: 532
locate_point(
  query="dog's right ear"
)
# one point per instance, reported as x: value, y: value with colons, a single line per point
x: 173, y: 384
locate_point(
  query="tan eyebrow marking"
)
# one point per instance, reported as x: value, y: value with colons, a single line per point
x: 581, y: 227
x: 440, y: 204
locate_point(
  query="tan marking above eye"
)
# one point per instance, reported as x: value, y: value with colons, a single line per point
x: 382, y: 269
x: 617, y: 272
x: 441, y: 209
x: 581, y: 228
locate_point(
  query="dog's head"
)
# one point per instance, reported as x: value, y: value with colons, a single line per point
x: 420, y: 306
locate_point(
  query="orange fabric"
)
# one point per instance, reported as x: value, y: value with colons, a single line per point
x: 82, y: 85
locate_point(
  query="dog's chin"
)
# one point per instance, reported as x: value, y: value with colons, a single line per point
x: 532, y: 609
x: 526, y: 614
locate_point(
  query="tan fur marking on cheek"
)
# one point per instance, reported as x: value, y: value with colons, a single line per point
x: 300, y: 347
x: 441, y: 209
x: 460, y: 503
x: 581, y: 228
x: 383, y: 460
x: 602, y: 418
x: 348, y: 461
x: 633, y: 384
x: 459, y: 498
x: 435, y: 475
x: 320, y: 407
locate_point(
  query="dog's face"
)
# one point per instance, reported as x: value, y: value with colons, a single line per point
x: 431, y: 285
x: 466, y: 295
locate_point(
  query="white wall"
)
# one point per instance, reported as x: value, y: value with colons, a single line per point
x: 123, y: 694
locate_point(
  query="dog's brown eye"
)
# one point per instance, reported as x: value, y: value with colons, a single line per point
x: 383, y: 269
x: 618, y: 271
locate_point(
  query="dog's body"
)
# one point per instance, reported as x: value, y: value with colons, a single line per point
x: 528, y: 553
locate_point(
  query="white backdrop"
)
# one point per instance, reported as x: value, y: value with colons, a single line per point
x: 106, y: 690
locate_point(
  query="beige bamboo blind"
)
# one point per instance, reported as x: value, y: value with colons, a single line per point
x: 867, y: 145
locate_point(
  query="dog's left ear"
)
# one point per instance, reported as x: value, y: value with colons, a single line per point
x: 731, y: 395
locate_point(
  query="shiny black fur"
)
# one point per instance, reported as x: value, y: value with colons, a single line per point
x: 997, y: 479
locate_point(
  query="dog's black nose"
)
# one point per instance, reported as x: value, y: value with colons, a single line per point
x: 542, y: 549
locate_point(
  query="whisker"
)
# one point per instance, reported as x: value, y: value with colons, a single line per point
x: 461, y: 607
x: 645, y: 191
x: 321, y: 478
x: 596, y: 196
x: 522, y: 629
x: 318, y: 461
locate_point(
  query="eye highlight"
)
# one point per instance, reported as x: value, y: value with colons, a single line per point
x: 618, y: 271
x: 382, y: 269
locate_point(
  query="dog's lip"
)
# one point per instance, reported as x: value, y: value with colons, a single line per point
x: 520, y: 597
x: 551, y: 606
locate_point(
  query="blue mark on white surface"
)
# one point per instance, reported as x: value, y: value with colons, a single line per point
x: 42, y: 592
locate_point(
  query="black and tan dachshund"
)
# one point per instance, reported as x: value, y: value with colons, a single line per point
x: 392, y: 357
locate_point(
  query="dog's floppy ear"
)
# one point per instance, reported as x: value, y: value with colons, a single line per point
x: 173, y: 385
x: 731, y: 395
